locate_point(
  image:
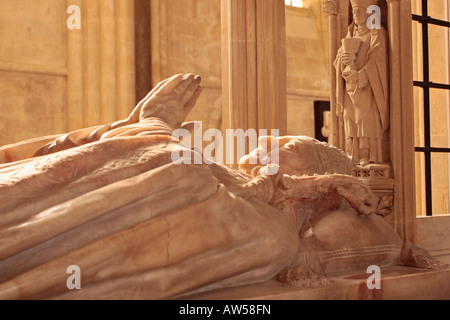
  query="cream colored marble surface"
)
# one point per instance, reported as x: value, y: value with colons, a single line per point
x: 397, y: 283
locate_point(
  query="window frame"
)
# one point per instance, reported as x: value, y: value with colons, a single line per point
x: 428, y: 150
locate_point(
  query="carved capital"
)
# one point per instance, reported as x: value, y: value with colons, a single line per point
x: 330, y: 7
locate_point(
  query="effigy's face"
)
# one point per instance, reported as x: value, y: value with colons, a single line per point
x: 295, y: 156
x: 360, y: 15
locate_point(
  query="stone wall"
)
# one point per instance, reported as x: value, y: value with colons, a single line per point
x: 54, y: 80
x: 308, y: 74
x: 33, y: 73
x: 186, y: 38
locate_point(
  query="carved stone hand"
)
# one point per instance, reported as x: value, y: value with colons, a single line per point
x: 179, y: 92
x: 172, y: 100
x: 348, y: 59
x: 280, y: 189
x: 356, y: 193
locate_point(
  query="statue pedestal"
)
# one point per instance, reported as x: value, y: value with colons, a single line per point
x: 379, y: 178
x: 373, y: 171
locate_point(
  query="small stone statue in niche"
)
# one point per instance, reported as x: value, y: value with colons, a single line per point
x: 362, y: 88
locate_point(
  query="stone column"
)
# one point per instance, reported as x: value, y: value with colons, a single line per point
x: 332, y: 8
x: 101, y: 64
x: 254, y: 65
x: 75, y: 70
x: 126, y: 59
x: 143, y: 41
x: 402, y: 115
x: 338, y: 15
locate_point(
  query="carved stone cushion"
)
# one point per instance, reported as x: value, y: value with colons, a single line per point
x: 341, y: 240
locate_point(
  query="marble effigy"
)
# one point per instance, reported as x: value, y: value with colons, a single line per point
x: 110, y: 201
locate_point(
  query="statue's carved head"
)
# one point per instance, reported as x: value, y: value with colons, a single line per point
x: 299, y: 155
x: 359, y: 10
